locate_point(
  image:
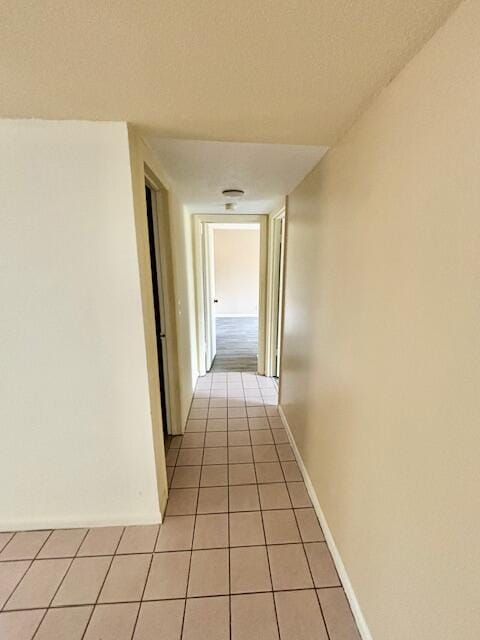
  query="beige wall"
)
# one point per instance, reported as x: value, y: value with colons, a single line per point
x: 381, y: 363
x: 237, y: 255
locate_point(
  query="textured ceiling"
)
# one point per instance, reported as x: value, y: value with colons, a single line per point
x: 291, y: 71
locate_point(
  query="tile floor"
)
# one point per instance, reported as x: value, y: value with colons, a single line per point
x: 240, y: 554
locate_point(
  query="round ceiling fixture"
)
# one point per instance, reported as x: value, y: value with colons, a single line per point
x: 233, y: 193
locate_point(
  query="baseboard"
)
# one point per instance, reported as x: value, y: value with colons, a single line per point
x: 342, y: 572
x: 118, y: 520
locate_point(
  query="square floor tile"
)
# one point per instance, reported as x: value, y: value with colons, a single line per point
x: 240, y: 454
x: 24, y: 545
x: 217, y: 412
x: 215, y: 455
x: 218, y: 402
x: 280, y: 436
x: 285, y: 452
x: 198, y: 413
x: 200, y: 403
x: 289, y: 568
x: 299, y: 616
x: 249, y: 570
x: 20, y: 625
x: 291, y: 471
x: 138, y: 539
x: 211, y: 531
x: 337, y: 614
x: 246, y: 529
x: 185, y: 477
x: 112, y: 622
x: 126, y: 578
x: 214, y: 476
x: 195, y: 426
x: 244, y: 498
x: 5, y: 537
x: 216, y: 439
x: 10, y: 575
x: 193, y: 440
x: 253, y: 617
x: 280, y: 526
x: 207, y: 618
x: 237, y: 424
x: 275, y: 421
x: 262, y: 436
x: 321, y: 565
x: 102, y: 541
x: 256, y: 412
x: 182, y: 502
x: 241, y: 474
x: 258, y: 423
x: 189, y: 457
x: 170, y: 471
x: 171, y: 457
x: 176, y: 442
x: 272, y: 411
x: 176, y: 533
x: 160, y: 620
x: 83, y: 581
x: 238, y: 438
x: 237, y: 412
x: 213, y: 500
x: 39, y: 584
x: 209, y: 575
x: 299, y: 494
x: 274, y: 496
x: 63, y: 543
x: 268, y: 472
x: 168, y: 576
x: 309, y: 526
x: 217, y: 424
x: 66, y: 622
x: 265, y: 453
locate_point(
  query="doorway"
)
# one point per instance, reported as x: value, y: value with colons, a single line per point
x: 158, y: 304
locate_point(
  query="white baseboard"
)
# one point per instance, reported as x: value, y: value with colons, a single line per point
x: 342, y: 572
x: 117, y: 520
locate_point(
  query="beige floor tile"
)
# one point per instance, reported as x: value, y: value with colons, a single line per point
x: 299, y: 616
x: 218, y: 402
x: 38, y: 585
x: 217, y: 412
x: 249, y: 571
x: 186, y: 477
x: 265, y: 453
x: 83, y: 581
x: 176, y: 442
x: 171, y: 457
x: 160, y: 620
x: 24, y: 545
x: 215, y: 455
x: 213, y: 500
x: 280, y: 526
x: 5, y: 538
x: 211, y: 531
x: 198, y: 412
x: 10, y: 575
x: 244, y: 498
x: 138, y: 539
x: 66, y: 622
x: 268, y: 472
x: 176, y: 533
x: 258, y: 423
x: 63, y: 543
x: 237, y: 424
x: 253, y: 617
x: 321, y: 565
x: 20, y: 625
x: 309, y: 526
x: 280, y: 436
x: 240, y: 454
x: 207, y: 618
x: 193, y: 440
x: 170, y: 471
x: 209, y: 573
x: 168, y: 576
x: 291, y: 471
x: 285, y: 452
x: 101, y: 541
x: 238, y: 438
x: 215, y: 475
x: 182, y: 502
x: 241, y: 474
x: 112, y: 622
x: 126, y: 578
x: 256, y: 412
x: 299, y: 494
x: 237, y: 412
x: 274, y: 496
x: 216, y: 439
x: 289, y: 568
x: 337, y: 614
x: 217, y: 424
x: 190, y: 457
x: 246, y: 529
x: 262, y: 436
x: 195, y: 426
x: 200, y: 404
x: 272, y: 411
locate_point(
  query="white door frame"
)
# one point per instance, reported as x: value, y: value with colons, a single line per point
x: 200, y: 224
x: 276, y: 255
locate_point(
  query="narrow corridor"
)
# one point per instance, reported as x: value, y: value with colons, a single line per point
x: 240, y: 554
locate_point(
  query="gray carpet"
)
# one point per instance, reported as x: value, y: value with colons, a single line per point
x: 237, y: 344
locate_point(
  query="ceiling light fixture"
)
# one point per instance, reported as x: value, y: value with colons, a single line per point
x: 233, y: 193
x: 230, y: 206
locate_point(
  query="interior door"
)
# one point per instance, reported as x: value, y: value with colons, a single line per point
x: 209, y: 289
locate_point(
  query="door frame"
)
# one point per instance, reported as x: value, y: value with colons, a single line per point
x: 200, y: 223
x: 275, y: 290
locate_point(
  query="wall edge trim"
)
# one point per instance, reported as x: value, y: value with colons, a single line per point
x: 115, y: 520
x: 329, y: 539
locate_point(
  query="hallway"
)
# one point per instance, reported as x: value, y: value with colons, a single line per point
x: 237, y: 344
x: 240, y: 554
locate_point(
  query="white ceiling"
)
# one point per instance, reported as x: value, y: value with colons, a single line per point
x: 202, y: 170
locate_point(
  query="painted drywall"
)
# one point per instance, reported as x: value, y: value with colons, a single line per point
x: 237, y: 264
x: 75, y: 418
x: 381, y: 359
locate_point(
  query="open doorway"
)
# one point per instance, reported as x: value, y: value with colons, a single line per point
x: 236, y: 274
